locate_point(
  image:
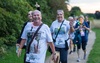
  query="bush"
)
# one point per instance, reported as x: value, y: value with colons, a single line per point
x: 13, y: 14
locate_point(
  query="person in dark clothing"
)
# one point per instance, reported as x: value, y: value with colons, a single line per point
x: 81, y: 29
x: 87, y: 20
x: 30, y: 20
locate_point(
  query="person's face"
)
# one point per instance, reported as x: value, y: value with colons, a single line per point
x: 81, y: 20
x: 37, y: 17
x: 71, y: 20
x: 60, y: 16
x: 30, y: 16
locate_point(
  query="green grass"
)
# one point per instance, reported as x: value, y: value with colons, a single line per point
x: 94, y: 56
x: 11, y: 56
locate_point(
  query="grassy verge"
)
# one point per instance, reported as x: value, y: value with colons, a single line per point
x: 94, y: 56
x: 11, y: 56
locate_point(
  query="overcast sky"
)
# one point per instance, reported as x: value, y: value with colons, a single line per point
x: 87, y: 6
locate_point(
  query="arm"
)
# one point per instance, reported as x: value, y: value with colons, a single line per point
x: 20, y: 47
x: 71, y: 27
x: 52, y: 47
x: 22, y: 43
x: 54, y: 57
x: 86, y: 28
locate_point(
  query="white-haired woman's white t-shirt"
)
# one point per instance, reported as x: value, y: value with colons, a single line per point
x: 40, y: 41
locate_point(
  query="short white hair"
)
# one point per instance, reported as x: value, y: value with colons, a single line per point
x: 70, y: 17
x: 81, y: 16
x: 60, y: 11
x: 36, y: 11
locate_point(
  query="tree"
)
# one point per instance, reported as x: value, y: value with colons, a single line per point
x: 75, y: 11
x: 57, y: 4
x: 97, y: 14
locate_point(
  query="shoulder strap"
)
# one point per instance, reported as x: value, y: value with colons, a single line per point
x: 59, y: 30
x: 33, y: 38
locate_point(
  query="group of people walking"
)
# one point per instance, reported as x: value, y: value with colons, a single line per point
x: 79, y: 37
x: 37, y: 36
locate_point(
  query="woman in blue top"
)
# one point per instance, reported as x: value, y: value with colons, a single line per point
x: 81, y: 29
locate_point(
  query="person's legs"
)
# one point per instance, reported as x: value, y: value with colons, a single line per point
x: 58, y: 49
x: 63, y: 55
x: 71, y: 46
x: 84, y: 49
x: 74, y: 44
x: 78, y: 51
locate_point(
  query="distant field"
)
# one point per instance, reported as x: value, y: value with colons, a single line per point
x: 95, y: 24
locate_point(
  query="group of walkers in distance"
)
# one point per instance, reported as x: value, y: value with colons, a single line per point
x: 62, y: 36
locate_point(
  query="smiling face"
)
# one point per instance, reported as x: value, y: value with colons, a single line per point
x: 60, y: 15
x: 81, y: 19
x: 30, y: 15
x: 37, y: 16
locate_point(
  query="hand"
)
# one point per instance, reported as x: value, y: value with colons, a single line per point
x: 54, y: 57
x: 19, y: 52
x: 71, y: 23
x: 84, y: 27
x: 77, y: 28
x: 17, y: 44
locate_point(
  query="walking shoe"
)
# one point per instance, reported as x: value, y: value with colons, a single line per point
x: 70, y: 52
x: 84, y: 56
x: 78, y: 60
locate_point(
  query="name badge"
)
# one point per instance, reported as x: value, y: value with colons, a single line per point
x: 60, y: 41
x: 31, y: 57
x: 82, y: 33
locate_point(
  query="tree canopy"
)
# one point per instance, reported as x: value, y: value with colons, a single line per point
x: 75, y: 11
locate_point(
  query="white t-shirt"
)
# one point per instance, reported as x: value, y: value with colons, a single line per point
x: 39, y: 44
x: 63, y: 33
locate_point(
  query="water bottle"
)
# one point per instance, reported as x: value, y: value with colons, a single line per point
x: 17, y: 47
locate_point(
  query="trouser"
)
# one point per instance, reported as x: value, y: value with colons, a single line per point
x: 83, y: 44
x: 63, y: 54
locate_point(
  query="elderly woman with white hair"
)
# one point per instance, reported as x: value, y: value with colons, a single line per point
x: 81, y: 29
x: 37, y: 36
x: 59, y: 29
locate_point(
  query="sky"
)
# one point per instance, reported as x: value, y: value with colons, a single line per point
x: 86, y: 6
